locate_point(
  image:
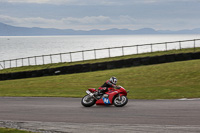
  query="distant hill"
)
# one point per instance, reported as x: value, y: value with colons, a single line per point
x: 8, y: 30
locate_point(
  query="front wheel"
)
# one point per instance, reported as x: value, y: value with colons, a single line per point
x: 88, y: 101
x: 120, y: 102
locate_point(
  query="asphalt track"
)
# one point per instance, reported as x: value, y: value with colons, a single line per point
x: 68, y: 115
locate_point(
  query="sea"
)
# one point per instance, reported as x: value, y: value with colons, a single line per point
x: 13, y: 47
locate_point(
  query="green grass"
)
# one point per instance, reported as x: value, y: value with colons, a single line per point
x: 161, y: 81
x: 7, y: 130
x: 39, y: 67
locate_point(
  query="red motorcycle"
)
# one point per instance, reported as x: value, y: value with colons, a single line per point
x: 112, y: 96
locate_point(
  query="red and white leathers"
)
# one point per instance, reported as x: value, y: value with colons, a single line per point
x: 106, y: 85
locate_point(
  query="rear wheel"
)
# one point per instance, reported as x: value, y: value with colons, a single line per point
x: 88, y: 101
x: 120, y: 102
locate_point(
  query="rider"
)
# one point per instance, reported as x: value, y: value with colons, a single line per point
x: 111, y: 83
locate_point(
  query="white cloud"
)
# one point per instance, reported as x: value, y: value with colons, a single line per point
x: 59, y: 2
x: 94, y: 2
x: 25, y: 1
x: 87, y: 20
x: 100, y: 22
x: 85, y: 23
x: 161, y: 15
x: 28, y: 22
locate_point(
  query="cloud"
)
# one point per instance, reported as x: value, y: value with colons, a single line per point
x: 28, y: 22
x: 101, y: 14
x: 94, y: 2
x: 25, y: 1
x: 95, y: 20
x: 65, y: 23
x: 66, y: 2
x: 88, y: 20
x: 101, y: 22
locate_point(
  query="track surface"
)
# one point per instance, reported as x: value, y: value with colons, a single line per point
x: 68, y: 115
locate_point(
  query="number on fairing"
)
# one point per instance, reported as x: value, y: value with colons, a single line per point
x: 106, y: 101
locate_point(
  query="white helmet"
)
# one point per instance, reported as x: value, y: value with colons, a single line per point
x: 113, y: 80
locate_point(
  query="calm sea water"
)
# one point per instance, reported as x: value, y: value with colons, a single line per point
x: 12, y: 47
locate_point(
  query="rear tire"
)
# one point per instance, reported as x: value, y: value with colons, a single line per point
x: 120, y: 103
x: 88, y: 102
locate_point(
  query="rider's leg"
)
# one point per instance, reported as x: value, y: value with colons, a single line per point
x: 102, y: 90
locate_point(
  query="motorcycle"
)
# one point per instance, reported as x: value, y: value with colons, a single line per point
x: 118, y: 97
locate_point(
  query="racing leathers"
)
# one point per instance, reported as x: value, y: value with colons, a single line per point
x: 105, y: 86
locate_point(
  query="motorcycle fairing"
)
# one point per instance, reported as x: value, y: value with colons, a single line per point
x: 92, y: 90
x: 107, y: 101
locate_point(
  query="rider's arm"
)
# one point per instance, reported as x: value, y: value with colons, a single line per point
x: 110, y: 84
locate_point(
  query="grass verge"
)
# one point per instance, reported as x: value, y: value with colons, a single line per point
x: 8, y: 130
x: 161, y: 81
x: 39, y: 67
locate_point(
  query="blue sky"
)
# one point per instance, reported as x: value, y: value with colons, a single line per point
x: 102, y: 14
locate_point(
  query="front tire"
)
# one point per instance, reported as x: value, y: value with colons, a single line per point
x: 120, y: 102
x: 88, y: 101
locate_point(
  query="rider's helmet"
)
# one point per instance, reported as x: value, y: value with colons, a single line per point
x: 113, y: 80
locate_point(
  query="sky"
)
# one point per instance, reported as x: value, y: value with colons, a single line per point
x: 102, y: 14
